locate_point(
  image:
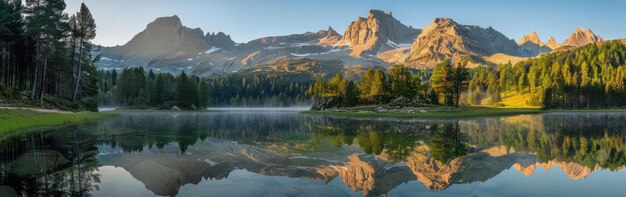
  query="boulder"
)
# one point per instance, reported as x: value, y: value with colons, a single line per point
x: 401, y: 102
x: 325, y: 103
x: 175, y: 108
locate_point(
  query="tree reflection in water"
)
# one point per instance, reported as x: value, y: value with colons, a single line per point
x: 386, y: 153
x: 57, y: 162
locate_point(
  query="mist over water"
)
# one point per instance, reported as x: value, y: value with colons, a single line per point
x: 276, y: 109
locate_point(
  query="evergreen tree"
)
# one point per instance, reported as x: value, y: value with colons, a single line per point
x: 379, y: 86
x: 365, y: 85
x: 460, y: 76
x: 203, y: 94
x: 85, y: 31
x: 440, y: 81
x: 350, y: 95
x: 402, y: 82
x: 45, y: 24
x: 186, y: 93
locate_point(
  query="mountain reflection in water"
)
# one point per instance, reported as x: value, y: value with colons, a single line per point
x: 286, y: 153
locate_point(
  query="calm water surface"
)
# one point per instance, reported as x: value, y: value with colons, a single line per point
x: 284, y: 153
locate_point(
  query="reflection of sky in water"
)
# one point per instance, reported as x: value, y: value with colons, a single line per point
x: 244, y: 183
x: 542, y: 183
x: 118, y: 182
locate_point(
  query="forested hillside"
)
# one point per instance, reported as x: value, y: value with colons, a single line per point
x: 45, y: 55
x: 593, y: 76
x: 588, y: 77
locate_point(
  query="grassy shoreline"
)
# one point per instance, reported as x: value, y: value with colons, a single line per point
x: 461, y: 113
x: 16, y: 119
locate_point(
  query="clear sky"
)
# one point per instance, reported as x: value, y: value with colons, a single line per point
x: 119, y: 20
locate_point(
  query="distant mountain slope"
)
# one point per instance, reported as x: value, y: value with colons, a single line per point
x: 305, y: 69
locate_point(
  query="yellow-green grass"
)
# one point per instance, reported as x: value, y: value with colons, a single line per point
x: 512, y: 99
x: 15, y: 119
x: 451, y: 113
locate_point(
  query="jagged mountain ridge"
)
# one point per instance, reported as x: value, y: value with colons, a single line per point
x: 378, y: 40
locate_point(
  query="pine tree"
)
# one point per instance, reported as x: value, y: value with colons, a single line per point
x: 440, y: 81
x: 351, y: 95
x: 203, y: 94
x: 45, y: 24
x: 378, y: 89
x: 86, y: 31
x: 318, y: 88
x: 365, y: 85
x: 11, y: 36
x: 402, y: 82
x: 186, y: 93
x: 493, y: 89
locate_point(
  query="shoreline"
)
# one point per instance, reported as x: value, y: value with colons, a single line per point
x: 461, y: 113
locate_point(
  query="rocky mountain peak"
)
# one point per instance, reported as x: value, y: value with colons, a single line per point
x: 331, y: 37
x: 582, y: 37
x: 378, y: 32
x: 531, y: 38
x: 446, y: 39
x: 442, y: 22
x: 331, y: 32
x: 442, y: 25
x: 377, y: 14
x: 552, y: 43
x: 165, y: 22
x: 220, y: 40
x: 531, y: 45
x: 165, y: 37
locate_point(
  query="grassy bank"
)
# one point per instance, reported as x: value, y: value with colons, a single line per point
x: 14, y: 119
x: 451, y: 113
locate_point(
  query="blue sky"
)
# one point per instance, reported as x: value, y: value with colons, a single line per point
x: 119, y: 20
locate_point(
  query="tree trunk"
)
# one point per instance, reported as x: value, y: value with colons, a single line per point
x: 73, y: 60
x: 80, y: 61
x: 35, y: 76
x: 43, y: 75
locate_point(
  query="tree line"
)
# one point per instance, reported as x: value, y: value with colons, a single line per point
x: 593, y: 76
x: 45, y: 53
x: 138, y: 88
x: 442, y: 85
